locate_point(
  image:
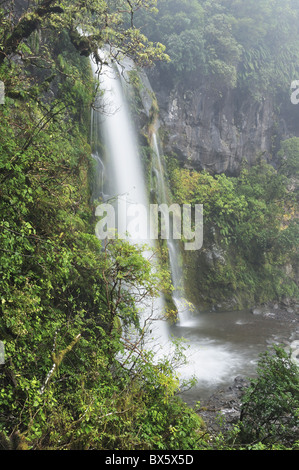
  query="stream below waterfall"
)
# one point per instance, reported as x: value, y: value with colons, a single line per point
x: 224, y: 345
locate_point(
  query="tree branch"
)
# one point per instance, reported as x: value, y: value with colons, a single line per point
x: 57, y: 359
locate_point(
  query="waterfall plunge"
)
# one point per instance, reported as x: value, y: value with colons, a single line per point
x: 124, y: 173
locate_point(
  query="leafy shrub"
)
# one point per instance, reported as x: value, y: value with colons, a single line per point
x: 270, y: 406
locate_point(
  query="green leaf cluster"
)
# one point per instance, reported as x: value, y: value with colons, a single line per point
x: 253, y: 220
x: 270, y: 406
x: 251, y: 45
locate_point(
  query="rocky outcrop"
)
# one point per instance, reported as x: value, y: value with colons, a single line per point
x: 206, y: 130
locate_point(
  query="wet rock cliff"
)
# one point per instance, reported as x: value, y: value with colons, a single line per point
x: 216, y: 130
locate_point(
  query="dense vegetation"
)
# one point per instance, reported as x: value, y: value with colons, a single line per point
x: 252, y: 44
x: 253, y: 221
x: 71, y: 378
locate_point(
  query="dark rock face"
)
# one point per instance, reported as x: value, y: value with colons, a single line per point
x: 209, y: 131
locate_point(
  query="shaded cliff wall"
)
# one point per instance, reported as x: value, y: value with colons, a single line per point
x: 215, y: 131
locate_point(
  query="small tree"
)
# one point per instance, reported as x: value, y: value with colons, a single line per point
x: 270, y: 408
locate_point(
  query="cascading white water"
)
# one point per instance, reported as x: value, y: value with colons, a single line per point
x: 124, y: 165
x: 135, y: 171
x: 124, y: 173
x: 178, y: 295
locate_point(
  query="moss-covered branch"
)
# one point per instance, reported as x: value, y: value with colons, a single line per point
x: 57, y: 360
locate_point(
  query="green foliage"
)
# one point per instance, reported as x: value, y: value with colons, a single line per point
x: 223, y: 51
x: 106, y: 22
x: 289, y: 157
x: 76, y: 373
x: 69, y: 302
x: 270, y: 406
x: 267, y: 32
x: 254, y: 215
x: 179, y: 26
x: 252, y: 44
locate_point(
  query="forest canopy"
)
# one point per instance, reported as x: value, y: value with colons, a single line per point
x: 252, y: 44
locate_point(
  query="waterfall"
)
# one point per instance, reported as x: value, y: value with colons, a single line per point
x: 179, y: 297
x: 158, y: 186
x: 121, y: 172
x: 125, y: 174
